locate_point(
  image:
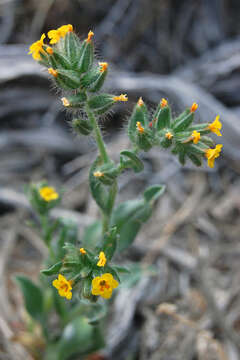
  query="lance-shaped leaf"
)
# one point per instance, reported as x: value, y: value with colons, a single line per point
x: 82, y: 126
x: 184, y: 122
x: 102, y: 195
x: 139, y: 115
x: 33, y: 297
x: 71, y: 46
x: 68, y: 79
x: 162, y: 117
x: 129, y: 216
x: 52, y: 270
x: 85, y: 57
x: 110, y: 243
x: 130, y: 160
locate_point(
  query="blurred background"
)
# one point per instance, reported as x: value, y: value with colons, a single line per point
x: 185, y: 51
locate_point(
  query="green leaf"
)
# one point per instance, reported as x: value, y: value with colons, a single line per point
x: 196, y: 159
x: 96, y: 313
x: 77, y: 338
x: 184, y: 122
x: 128, y: 218
x: 54, y: 269
x: 102, y: 195
x: 110, y: 243
x: 163, y: 118
x: 33, y: 297
x: 70, y: 79
x: 153, y: 192
x: 121, y: 269
x: 86, y: 56
x: 137, y: 271
x: 71, y: 45
x: 139, y: 114
x: 133, y: 160
x: 92, y: 235
x: 82, y: 126
x: 101, y: 103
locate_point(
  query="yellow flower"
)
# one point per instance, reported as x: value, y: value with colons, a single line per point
x: 196, y: 136
x: 90, y: 35
x: 216, y: 126
x: 169, y: 135
x: 98, y: 174
x: 82, y: 251
x: 48, y: 193
x: 102, y: 259
x: 122, y: 97
x: 212, y: 154
x: 63, y: 286
x: 56, y: 35
x: 139, y: 127
x: 163, y: 103
x: 104, y: 285
x: 194, y: 107
x: 140, y: 102
x: 65, y: 102
x: 103, y: 66
x: 37, y: 47
x: 53, y: 72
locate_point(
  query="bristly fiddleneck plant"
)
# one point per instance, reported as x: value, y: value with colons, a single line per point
x: 74, y: 69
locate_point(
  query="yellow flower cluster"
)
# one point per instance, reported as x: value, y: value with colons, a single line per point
x: 37, y: 47
x: 104, y: 285
x: 54, y: 35
x: 63, y: 286
x: 48, y: 193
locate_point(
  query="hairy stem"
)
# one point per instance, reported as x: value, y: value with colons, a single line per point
x: 97, y: 134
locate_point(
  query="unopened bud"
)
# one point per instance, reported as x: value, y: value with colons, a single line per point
x: 53, y: 72
x: 103, y: 66
x: 163, y: 103
x: 194, y: 107
x: 140, y: 102
x: 90, y: 35
x: 139, y: 127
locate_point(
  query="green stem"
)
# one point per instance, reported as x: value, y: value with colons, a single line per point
x: 105, y: 158
x: 98, y: 135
